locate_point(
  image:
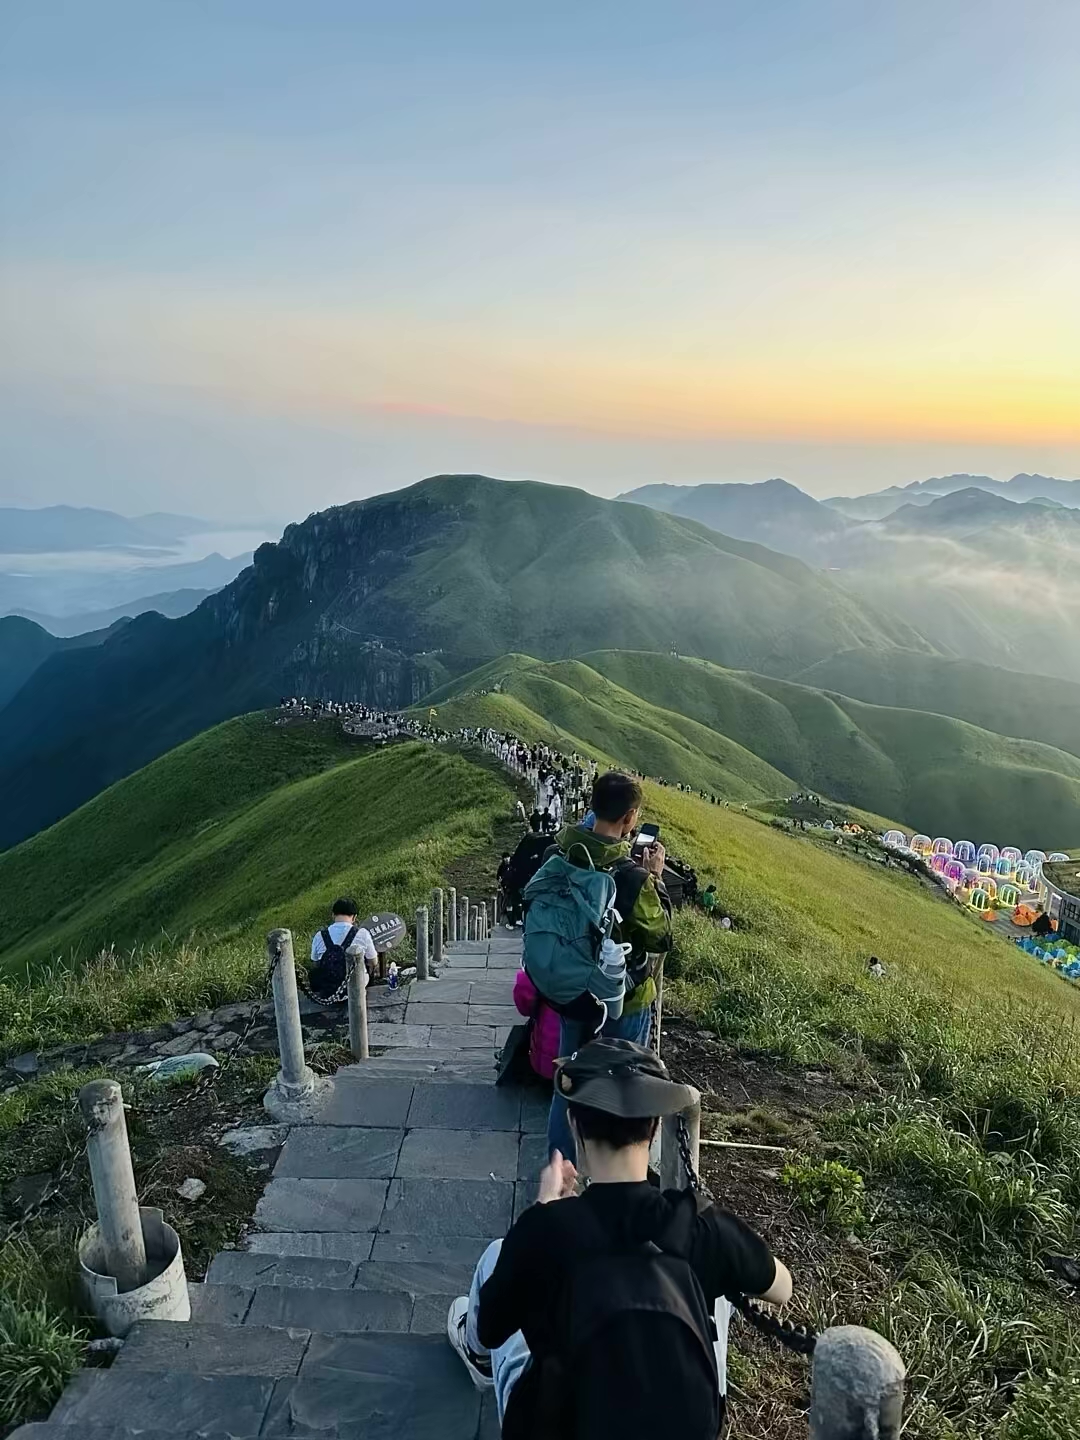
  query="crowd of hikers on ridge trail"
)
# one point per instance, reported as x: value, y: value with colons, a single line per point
x: 604, y: 1311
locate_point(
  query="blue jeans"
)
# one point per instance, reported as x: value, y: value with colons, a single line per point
x: 573, y: 1035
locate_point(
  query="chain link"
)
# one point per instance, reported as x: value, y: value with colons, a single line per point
x: 799, y: 1338
x: 185, y: 1095
x: 76, y: 1150
x: 340, y: 994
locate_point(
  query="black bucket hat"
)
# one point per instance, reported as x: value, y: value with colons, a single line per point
x: 620, y: 1078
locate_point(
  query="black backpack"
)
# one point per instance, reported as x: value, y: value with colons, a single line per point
x: 611, y: 1284
x: 525, y: 862
x: 329, y: 971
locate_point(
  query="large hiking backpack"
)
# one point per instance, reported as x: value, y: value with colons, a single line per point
x: 569, y: 909
x: 648, y: 1293
x: 329, y: 971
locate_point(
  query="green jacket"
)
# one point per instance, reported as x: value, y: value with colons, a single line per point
x: 647, y: 929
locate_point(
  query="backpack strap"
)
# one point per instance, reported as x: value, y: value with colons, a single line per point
x: 328, y: 944
x: 354, y: 930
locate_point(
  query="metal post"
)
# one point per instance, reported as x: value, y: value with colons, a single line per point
x: 437, y: 928
x: 858, y: 1386
x: 117, y: 1200
x: 358, y: 1033
x: 673, y: 1174
x: 451, y: 913
x: 294, y: 1078
x: 421, y: 942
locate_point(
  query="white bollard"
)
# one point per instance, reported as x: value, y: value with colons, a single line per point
x: 117, y: 1200
x: 436, y: 929
x: 358, y: 1031
x: 421, y: 942
x: 451, y: 914
x: 295, y: 1079
x: 673, y: 1174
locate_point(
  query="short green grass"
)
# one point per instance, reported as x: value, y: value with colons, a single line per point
x: 959, y: 1163
x: 182, y: 924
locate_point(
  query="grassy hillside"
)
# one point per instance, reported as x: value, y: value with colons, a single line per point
x: 930, y: 771
x: 1005, y: 701
x: 569, y: 704
x: 690, y: 721
x: 252, y: 825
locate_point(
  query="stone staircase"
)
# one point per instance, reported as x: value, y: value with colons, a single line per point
x: 332, y: 1323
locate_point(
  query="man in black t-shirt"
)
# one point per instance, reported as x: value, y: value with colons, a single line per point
x: 594, y: 1317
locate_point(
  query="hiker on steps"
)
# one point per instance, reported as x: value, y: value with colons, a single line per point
x: 342, y: 938
x: 619, y: 896
x: 594, y: 1318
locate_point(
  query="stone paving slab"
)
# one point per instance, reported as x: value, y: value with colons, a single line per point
x: 295, y: 1204
x: 387, y: 1033
x: 330, y: 1152
x: 214, y: 1304
x: 446, y: 989
x: 217, y: 1404
x: 331, y: 1311
x: 423, y: 1012
x: 504, y: 960
x: 457, y: 1106
x: 430, y: 1311
x: 416, y: 1277
x: 191, y: 1349
x: 325, y: 1245
x: 467, y: 947
x: 247, y: 1268
x: 379, y: 1387
x: 459, y: 1154
x: 358, y: 1098
x: 532, y: 1157
x: 535, y: 1105
x: 496, y: 989
x: 466, y: 970
x: 493, y: 1015
x: 448, y: 1207
x: 430, y: 1249
x: 464, y: 1037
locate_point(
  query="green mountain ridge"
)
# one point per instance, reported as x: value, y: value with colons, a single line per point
x: 924, y: 770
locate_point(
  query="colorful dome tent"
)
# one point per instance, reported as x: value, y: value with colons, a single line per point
x: 985, y: 864
x: 979, y: 900
x: 1057, y: 856
x: 954, y: 872
x: 1010, y: 852
x: 1005, y: 866
x: 990, y: 886
x: 971, y: 876
x: 991, y: 850
x: 921, y: 844
x: 1035, y: 857
x: 1008, y: 897
x: 938, y: 863
x: 943, y: 846
x: 894, y: 840
x: 964, y: 851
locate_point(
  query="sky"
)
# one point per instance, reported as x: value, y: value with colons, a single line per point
x: 258, y: 257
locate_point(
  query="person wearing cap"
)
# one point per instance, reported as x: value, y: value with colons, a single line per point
x: 593, y: 1317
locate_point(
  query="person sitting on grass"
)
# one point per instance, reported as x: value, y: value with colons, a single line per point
x: 709, y: 898
x: 593, y: 1318
x: 341, y: 938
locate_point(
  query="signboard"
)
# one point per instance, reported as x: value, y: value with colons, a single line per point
x: 386, y: 930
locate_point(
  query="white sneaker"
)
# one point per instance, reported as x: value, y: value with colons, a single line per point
x: 509, y: 925
x: 455, y: 1330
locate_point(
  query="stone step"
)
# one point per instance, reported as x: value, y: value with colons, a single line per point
x: 189, y: 1348
x: 373, y: 1386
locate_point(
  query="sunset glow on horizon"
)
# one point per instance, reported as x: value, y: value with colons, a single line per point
x: 776, y: 239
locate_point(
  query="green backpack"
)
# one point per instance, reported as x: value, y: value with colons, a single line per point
x: 569, y: 911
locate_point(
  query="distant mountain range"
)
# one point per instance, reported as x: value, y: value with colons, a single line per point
x: 1020, y: 488
x: 68, y: 527
x: 979, y: 575
x: 171, y: 603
